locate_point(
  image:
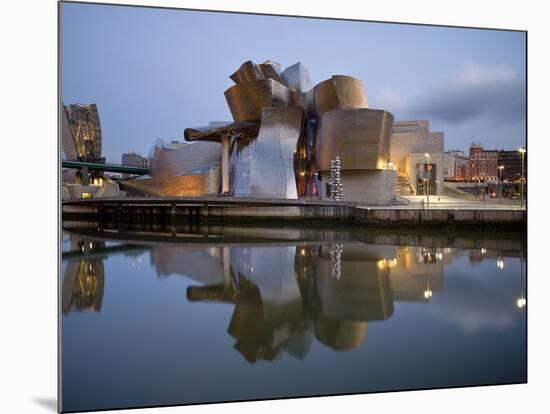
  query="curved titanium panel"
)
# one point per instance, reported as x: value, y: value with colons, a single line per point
x: 246, y: 100
x: 246, y: 129
x: 166, y: 162
x: 339, y: 92
x: 249, y: 72
x: 297, y: 77
x: 360, y: 137
x: 178, y: 185
x: 265, y: 167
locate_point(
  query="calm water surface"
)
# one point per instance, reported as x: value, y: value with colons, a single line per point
x: 161, y: 322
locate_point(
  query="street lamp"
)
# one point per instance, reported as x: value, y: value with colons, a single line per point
x: 522, y: 152
x: 500, y: 168
x: 428, y: 181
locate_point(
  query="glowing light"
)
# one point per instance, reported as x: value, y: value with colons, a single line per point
x: 382, y: 264
x: 427, y: 293
x: 521, y: 302
x: 500, y: 264
x: 483, y: 250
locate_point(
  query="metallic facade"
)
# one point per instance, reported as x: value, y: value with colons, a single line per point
x: 339, y: 92
x: 168, y: 160
x: 179, y: 169
x: 250, y: 71
x: 360, y: 137
x: 297, y: 78
x: 246, y: 100
x: 284, y: 133
x: 264, y: 166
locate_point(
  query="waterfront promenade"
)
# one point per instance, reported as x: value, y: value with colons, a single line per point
x: 446, y: 202
x: 445, y: 212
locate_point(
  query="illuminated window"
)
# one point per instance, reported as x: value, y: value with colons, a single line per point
x: 86, y: 195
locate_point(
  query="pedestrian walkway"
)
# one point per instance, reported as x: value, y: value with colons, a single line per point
x: 449, y: 203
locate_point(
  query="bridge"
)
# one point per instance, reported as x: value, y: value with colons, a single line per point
x: 96, y: 166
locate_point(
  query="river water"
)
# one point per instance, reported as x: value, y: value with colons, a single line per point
x: 162, y: 319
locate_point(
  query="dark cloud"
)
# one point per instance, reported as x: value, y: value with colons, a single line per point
x: 496, y: 93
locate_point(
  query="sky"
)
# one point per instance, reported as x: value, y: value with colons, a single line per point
x: 154, y: 72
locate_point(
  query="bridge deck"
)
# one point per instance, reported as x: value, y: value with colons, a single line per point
x: 104, y: 167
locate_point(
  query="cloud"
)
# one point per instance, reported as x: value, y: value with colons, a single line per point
x: 476, y: 91
x: 478, y: 304
x: 389, y: 100
x: 478, y: 318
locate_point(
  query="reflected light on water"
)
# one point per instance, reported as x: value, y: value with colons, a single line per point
x: 304, y: 302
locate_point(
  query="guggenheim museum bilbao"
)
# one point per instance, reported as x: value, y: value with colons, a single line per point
x: 284, y: 137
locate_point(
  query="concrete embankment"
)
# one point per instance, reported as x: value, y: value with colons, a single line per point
x: 228, y: 210
x: 442, y: 217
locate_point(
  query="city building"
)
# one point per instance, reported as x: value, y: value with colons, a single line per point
x: 81, y: 140
x: 133, y: 160
x: 512, y: 165
x: 81, y: 133
x: 286, y: 134
x: 483, y: 163
x: 456, y: 166
x: 416, y: 153
x: 281, y: 142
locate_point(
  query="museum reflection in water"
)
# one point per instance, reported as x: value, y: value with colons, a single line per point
x: 284, y: 295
